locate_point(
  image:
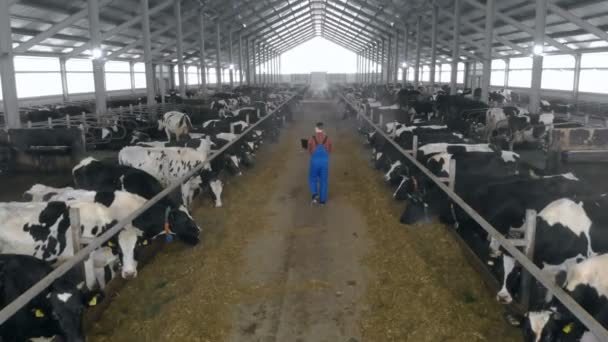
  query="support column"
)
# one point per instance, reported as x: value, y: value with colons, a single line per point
x: 240, y: 59
x: 230, y: 60
x: 406, y: 47
x: 172, y: 76
x: 248, y: 60
x: 7, y: 68
x: 418, y: 40
x: 507, y: 67
x: 382, y: 56
x: 132, y: 76
x: 280, y: 70
x: 98, y: 62
x: 161, y: 82
x: 389, y: 59
x: 487, y: 55
x: 466, y: 82
x: 218, y: 48
x: 433, y: 67
x: 202, y: 55
x: 577, y: 80
x: 537, y: 59
x: 145, y: 29
x: 396, y: 59
x: 177, y: 12
x: 64, y: 80
x: 378, y: 65
x: 256, y: 60
x: 456, y: 49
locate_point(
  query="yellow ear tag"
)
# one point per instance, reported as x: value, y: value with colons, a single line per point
x: 110, y: 243
x: 38, y: 313
x: 93, y: 301
x: 145, y: 243
x: 568, y: 328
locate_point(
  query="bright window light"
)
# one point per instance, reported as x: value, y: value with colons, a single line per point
x: 404, y: 64
x: 96, y: 53
x: 538, y: 50
x: 231, y: 67
x: 319, y: 55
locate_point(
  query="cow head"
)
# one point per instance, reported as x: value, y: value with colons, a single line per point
x: 183, y: 225
x: 395, y: 172
x: 126, y: 245
x: 541, y: 326
x: 509, y: 272
x: 232, y: 163
x: 67, y: 304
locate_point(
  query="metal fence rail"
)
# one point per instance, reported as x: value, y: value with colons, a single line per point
x: 79, y: 257
x: 589, y: 321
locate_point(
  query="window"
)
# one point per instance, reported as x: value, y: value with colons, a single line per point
x: 497, y: 77
x: 79, y: 73
x: 460, y: 73
x: 139, y: 70
x: 118, y: 75
x: 446, y: 73
x: 37, y: 76
x: 437, y: 73
x: 410, y: 74
x: 400, y: 74
x: 520, y: 72
x: 558, y: 72
x: 192, y: 75
x: 426, y: 72
x: 594, y: 72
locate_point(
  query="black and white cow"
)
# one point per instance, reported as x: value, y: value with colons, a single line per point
x: 168, y: 165
x: 175, y: 123
x: 57, y: 311
x: 587, y: 283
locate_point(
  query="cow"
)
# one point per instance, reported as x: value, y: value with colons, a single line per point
x: 56, y: 311
x: 567, y: 232
x: 587, y: 283
x: 168, y: 165
x: 42, y: 193
x: 175, y: 123
x: 92, y: 174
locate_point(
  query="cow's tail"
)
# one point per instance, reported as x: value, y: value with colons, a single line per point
x: 185, y: 121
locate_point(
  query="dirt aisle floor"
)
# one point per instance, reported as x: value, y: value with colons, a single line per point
x: 273, y: 268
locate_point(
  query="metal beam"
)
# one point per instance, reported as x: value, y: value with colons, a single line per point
x: 179, y: 37
x: 145, y: 29
x: 240, y: 60
x: 7, y: 69
x: 105, y: 35
x: 230, y: 61
x: 434, y: 23
x: 418, y: 48
x: 248, y: 60
x: 537, y: 59
x: 585, y: 25
x: 487, y: 56
x: 201, y: 42
x: 520, y: 26
x: 455, y: 47
x: 50, y: 32
x: 98, y: 63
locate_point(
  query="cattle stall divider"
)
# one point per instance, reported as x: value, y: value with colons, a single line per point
x: 12, y: 308
x: 579, y: 312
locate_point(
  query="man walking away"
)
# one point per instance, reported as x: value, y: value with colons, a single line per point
x: 319, y: 147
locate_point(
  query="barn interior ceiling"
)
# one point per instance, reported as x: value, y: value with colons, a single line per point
x: 61, y: 28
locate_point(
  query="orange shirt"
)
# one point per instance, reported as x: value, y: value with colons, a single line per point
x: 312, y: 144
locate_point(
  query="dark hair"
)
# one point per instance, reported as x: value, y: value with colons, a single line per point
x: 319, y: 125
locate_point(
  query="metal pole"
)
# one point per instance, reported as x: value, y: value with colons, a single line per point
x: 248, y: 62
x: 382, y: 57
x: 406, y: 47
x: 487, y: 56
x: 201, y: 43
x: 240, y: 59
x: 377, y: 66
x: 7, y: 68
x: 132, y: 76
x: 389, y: 59
x: 280, y: 72
x: 577, y: 80
x: 435, y: 16
x: 98, y: 62
x: 145, y: 28
x: 172, y: 76
x: 161, y: 83
x: 64, y: 80
x: 396, y: 58
x: 455, y: 48
x: 418, y: 48
x: 218, y: 62
x: 177, y: 12
x: 537, y: 59
x: 507, y: 63
x: 255, y: 49
x: 466, y: 82
x: 230, y: 61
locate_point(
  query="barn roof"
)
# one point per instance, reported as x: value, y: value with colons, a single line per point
x: 61, y: 28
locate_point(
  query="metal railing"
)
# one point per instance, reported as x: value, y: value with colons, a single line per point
x: 589, y: 321
x: 79, y: 257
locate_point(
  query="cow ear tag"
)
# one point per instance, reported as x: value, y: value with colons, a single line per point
x: 168, y: 235
x: 93, y: 301
x: 38, y: 313
x: 110, y: 244
x: 145, y: 242
x: 568, y: 328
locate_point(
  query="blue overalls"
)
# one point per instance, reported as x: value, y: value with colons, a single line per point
x: 319, y: 170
